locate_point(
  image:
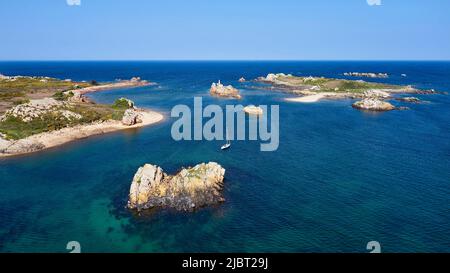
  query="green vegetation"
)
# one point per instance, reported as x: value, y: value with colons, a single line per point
x: 121, y: 104
x: 331, y: 85
x: 14, y: 128
x: 7, y: 95
x: 20, y: 90
x: 357, y: 86
x: 17, y: 89
x: 63, y: 96
x: 21, y: 101
x: 22, y: 86
x: 196, y: 173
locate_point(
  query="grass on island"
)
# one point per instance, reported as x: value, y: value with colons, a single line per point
x: 332, y: 85
x: 22, y: 89
x: 14, y: 128
x: 17, y: 90
x: 21, y: 86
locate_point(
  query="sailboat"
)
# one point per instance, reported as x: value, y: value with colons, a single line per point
x: 228, y: 144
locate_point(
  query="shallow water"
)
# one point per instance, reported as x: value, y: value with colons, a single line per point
x: 340, y: 178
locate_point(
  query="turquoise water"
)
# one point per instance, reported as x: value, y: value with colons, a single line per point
x: 340, y: 178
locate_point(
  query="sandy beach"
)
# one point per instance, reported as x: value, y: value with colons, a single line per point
x: 47, y: 140
x: 115, y: 85
x: 307, y: 99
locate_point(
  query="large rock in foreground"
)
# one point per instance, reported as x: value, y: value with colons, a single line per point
x: 373, y: 105
x: 219, y: 90
x: 189, y: 189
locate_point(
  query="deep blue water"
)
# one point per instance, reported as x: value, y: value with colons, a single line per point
x: 340, y: 178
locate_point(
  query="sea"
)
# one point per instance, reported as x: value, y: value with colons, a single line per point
x: 341, y: 178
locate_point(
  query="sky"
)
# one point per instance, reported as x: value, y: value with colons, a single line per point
x: 225, y: 30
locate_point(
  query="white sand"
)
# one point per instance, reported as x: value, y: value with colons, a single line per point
x: 307, y: 99
x: 111, y: 86
x: 56, y: 138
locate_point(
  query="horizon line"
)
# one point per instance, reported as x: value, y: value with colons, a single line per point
x: 230, y: 60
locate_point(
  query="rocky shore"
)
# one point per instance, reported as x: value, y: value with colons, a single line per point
x: 133, y: 82
x: 66, y: 116
x: 189, y: 189
x: 52, y: 139
x: 372, y: 96
x: 220, y: 90
x: 253, y: 110
x: 409, y: 99
x: 367, y: 75
x: 373, y: 105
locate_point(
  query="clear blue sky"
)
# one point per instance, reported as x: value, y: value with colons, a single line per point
x: 224, y: 29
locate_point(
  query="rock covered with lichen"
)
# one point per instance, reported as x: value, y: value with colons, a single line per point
x: 372, y: 104
x: 220, y: 90
x: 187, y: 190
x: 35, y: 109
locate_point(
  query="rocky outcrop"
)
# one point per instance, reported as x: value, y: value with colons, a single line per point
x: 273, y: 77
x: 373, y: 105
x: 69, y: 115
x: 367, y: 75
x: 36, y: 109
x: 219, y: 90
x: 133, y: 82
x: 253, y: 110
x: 33, y: 109
x: 376, y: 94
x: 77, y: 97
x: 20, y: 146
x: 242, y: 79
x: 410, y: 99
x: 4, y: 144
x: 189, y: 189
x: 51, y: 139
x: 131, y: 117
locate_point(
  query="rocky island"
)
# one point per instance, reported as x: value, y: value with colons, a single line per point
x: 253, y: 110
x: 312, y: 89
x: 133, y: 82
x: 373, y: 105
x: 187, y: 190
x: 41, y: 112
x: 220, y: 90
x: 367, y: 75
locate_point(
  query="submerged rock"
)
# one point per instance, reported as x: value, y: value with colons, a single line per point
x: 218, y: 89
x: 409, y: 99
x: 189, y: 189
x: 373, y: 105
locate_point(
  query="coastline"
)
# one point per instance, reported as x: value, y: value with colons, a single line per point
x: 115, y: 85
x: 307, y: 99
x: 56, y: 138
